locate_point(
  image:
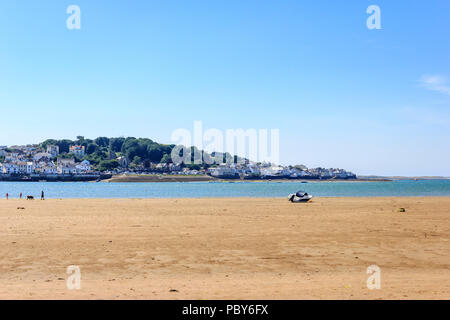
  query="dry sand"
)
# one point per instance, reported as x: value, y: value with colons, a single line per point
x: 225, y: 248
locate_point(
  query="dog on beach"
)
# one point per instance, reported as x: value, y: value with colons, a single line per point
x: 30, y: 198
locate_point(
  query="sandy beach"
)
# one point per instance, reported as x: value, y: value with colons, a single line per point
x: 225, y: 248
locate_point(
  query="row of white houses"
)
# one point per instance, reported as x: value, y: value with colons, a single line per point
x: 63, y: 166
x: 17, y: 167
x: 224, y: 170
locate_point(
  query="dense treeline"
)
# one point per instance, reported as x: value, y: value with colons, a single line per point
x: 140, y: 152
x: 104, y: 151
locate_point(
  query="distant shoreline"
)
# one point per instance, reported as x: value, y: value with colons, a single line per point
x: 158, y: 178
x: 206, y: 178
x: 155, y: 178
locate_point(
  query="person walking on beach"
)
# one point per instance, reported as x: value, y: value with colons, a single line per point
x: 42, y: 195
x: 20, y: 195
x: 7, y: 195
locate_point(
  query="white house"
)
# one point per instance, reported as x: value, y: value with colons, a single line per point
x: 77, y: 150
x: 253, y: 169
x: 42, y: 156
x: 66, y: 166
x: 53, y: 150
x: 67, y: 170
x: 9, y: 168
x: 49, y: 170
x: 161, y: 166
x: 174, y: 167
x: 46, y: 167
x: 222, y: 171
x: 83, y: 167
x: 25, y: 167
x: 11, y: 157
x: 297, y: 172
x: 274, y: 171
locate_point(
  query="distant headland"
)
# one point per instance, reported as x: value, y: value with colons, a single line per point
x: 139, y: 159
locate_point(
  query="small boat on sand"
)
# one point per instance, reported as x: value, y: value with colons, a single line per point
x: 300, y: 196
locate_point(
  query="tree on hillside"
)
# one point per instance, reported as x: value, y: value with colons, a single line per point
x: 154, y: 152
x: 91, y: 148
x: 64, y: 145
x: 102, y: 141
x: 141, y: 151
x: 137, y: 160
x: 166, y: 158
x: 48, y: 142
x: 108, y: 165
x: 116, y: 144
x: 131, y: 148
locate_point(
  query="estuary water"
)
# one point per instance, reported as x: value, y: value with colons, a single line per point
x: 225, y: 189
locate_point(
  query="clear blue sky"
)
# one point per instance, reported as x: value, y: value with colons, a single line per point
x: 371, y: 101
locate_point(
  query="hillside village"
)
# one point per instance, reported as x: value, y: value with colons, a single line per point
x: 29, y: 160
x: 86, y: 159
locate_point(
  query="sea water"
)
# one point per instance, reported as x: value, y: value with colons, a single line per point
x: 225, y: 189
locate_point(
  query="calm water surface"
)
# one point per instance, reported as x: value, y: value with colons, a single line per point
x: 225, y: 189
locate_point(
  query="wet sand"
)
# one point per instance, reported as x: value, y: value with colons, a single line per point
x: 225, y: 248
